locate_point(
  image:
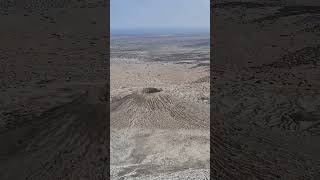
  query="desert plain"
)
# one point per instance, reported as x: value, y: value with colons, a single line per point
x: 264, y: 90
x: 159, y: 91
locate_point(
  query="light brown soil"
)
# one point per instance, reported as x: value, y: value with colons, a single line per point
x: 159, y: 120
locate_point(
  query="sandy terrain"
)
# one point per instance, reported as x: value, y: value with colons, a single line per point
x: 162, y: 133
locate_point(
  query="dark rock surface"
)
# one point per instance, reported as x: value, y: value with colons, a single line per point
x: 265, y: 90
x: 53, y: 65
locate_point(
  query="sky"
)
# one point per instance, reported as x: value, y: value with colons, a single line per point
x: 160, y: 14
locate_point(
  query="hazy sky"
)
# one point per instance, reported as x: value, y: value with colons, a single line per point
x: 129, y: 14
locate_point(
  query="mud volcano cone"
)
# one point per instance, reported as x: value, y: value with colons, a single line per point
x: 153, y: 108
x: 67, y: 142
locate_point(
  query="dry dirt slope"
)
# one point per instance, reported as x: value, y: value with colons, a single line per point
x: 156, y: 109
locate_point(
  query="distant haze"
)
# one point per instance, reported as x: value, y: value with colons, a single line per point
x: 160, y: 16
